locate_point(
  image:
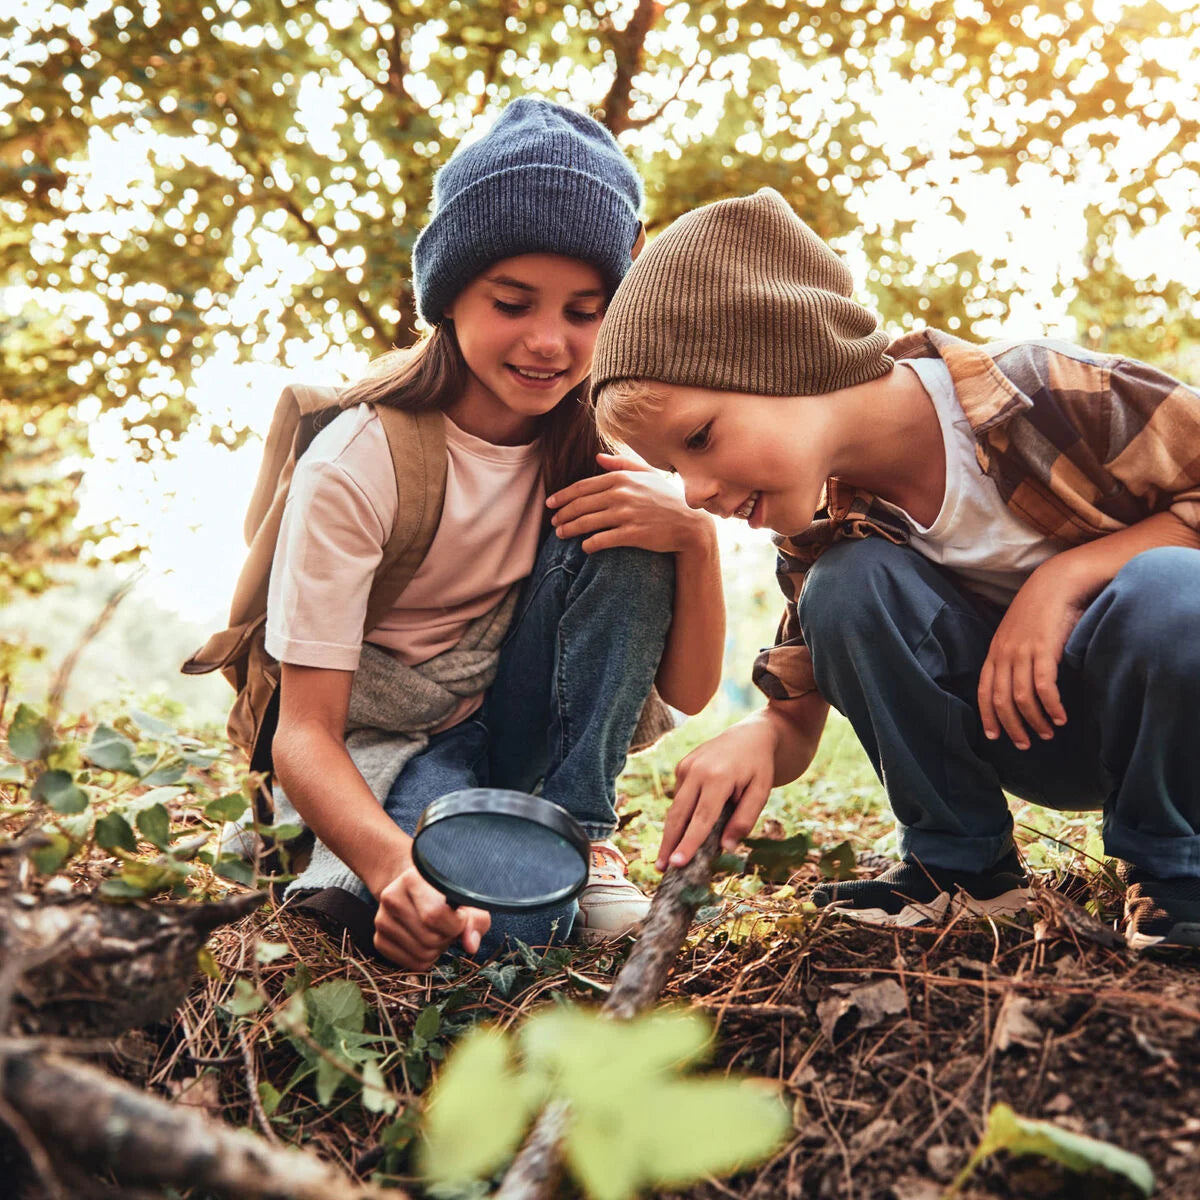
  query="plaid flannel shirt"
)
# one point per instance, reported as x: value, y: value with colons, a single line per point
x: 1079, y: 445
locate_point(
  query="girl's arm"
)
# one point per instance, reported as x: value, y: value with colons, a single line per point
x: 633, y: 505
x: 414, y: 924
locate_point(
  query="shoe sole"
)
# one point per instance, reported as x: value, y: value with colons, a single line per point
x: 1182, y: 936
x: 1005, y: 905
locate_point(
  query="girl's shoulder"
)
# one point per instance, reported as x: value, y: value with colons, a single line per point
x: 350, y: 456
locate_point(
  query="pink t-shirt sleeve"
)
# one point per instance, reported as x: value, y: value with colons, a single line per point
x: 335, y: 526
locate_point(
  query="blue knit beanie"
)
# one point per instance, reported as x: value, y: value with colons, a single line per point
x: 543, y: 180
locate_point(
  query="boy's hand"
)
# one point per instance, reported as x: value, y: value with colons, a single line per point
x: 630, y: 505
x: 1018, y: 684
x: 738, y: 764
x: 414, y: 925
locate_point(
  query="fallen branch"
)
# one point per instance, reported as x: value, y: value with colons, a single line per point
x: 534, y: 1172
x: 93, y: 1119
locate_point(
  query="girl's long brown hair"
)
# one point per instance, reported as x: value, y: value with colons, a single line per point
x: 433, y: 372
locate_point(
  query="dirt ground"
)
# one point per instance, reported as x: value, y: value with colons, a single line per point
x: 894, y: 1046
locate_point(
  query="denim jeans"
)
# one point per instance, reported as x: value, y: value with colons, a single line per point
x: 898, y: 645
x: 574, y: 671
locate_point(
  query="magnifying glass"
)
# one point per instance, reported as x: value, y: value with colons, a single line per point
x: 501, y: 850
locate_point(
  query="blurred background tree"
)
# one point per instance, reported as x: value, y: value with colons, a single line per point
x: 227, y: 177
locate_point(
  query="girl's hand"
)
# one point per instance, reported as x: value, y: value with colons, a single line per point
x: 631, y: 505
x: 414, y: 925
x: 1018, y: 684
x: 738, y: 764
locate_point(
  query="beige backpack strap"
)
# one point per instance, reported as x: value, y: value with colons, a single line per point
x: 417, y: 441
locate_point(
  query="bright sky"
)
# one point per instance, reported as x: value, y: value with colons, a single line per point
x: 191, y: 507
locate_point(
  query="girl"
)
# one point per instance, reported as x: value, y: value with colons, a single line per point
x: 521, y: 650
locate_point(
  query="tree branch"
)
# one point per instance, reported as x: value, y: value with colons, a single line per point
x: 628, y: 46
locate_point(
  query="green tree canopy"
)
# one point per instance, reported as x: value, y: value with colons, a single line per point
x: 234, y: 177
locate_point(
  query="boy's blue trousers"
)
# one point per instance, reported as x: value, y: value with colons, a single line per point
x: 897, y: 646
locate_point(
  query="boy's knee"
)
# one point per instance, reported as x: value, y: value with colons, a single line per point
x: 848, y: 586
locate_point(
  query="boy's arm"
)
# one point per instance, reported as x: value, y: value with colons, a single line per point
x: 1018, y: 683
x: 768, y: 748
x: 414, y: 924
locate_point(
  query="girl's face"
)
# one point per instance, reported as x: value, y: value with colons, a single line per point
x: 526, y: 327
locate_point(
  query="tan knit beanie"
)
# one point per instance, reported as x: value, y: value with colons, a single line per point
x: 740, y: 296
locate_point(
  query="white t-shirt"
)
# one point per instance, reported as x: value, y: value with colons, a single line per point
x: 975, y: 534
x: 339, y: 513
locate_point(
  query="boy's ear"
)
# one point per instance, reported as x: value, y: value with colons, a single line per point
x: 638, y: 243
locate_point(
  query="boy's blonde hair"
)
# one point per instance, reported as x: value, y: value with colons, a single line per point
x: 622, y: 405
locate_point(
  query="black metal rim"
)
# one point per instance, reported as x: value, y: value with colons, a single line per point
x: 500, y: 802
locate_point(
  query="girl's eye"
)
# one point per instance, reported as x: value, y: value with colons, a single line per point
x: 510, y: 310
x: 584, y: 318
x: 699, y: 439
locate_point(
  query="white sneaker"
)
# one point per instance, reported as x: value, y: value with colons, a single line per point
x: 609, y: 905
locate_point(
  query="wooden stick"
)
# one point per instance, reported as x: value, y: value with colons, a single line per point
x: 96, y: 1120
x: 535, y: 1170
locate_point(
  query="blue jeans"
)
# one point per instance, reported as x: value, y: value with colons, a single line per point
x: 575, y: 669
x: 898, y: 645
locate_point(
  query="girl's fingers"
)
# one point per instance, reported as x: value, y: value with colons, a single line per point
x: 745, y: 816
x: 621, y: 462
x: 580, y: 488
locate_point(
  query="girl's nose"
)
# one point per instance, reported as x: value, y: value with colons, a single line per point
x: 545, y: 339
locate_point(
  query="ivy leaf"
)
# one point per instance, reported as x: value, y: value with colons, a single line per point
x: 246, y: 999
x: 338, y: 1002
x: 375, y: 1096
x: 778, y: 858
x: 111, y: 752
x: 152, y: 727
x: 839, y: 862
x: 154, y: 825
x: 50, y: 857
x: 428, y: 1023
x: 59, y: 790
x: 501, y: 978
x: 479, y: 1110
x: 1022, y: 1135
x: 113, y: 833
x: 226, y: 808
x: 29, y: 734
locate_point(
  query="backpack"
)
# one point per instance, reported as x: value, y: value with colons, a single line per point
x: 417, y: 441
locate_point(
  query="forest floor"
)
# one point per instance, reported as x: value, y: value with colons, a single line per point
x: 891, y: 1047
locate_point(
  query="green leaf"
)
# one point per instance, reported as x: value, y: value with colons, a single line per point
x: 139, y: 878
x: 59, y: 790
x: 428, y: 1023
x: 157, y: 795
x: 208, y: 964
x: 839, y: 862
x: 171, y: 773
x: 375, y: 1096
x: 269, y: 1097
x: 231, y: 866
x: 330, y: 1077
x: 269, y: 952
x: 152, y: 727
x: 154, y: 825
x: 12, y: 773
x: 338, y: 1002
x: 113, y: 833
x: 226, y: 808
x: 778, y: 858
x: 501, y: 978
x: 478, y: 1111
x: 110, y: 751
x: 29, y: 734
x: 1022, y: 1135
x: 246, y: 999
x: 50, y: 857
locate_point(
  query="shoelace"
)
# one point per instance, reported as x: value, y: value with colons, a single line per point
x: 608, y: 861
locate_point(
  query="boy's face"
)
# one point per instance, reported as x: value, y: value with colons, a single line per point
x: 739, y: 454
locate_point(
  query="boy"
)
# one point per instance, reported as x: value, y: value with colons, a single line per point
x: 1000, y: 587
